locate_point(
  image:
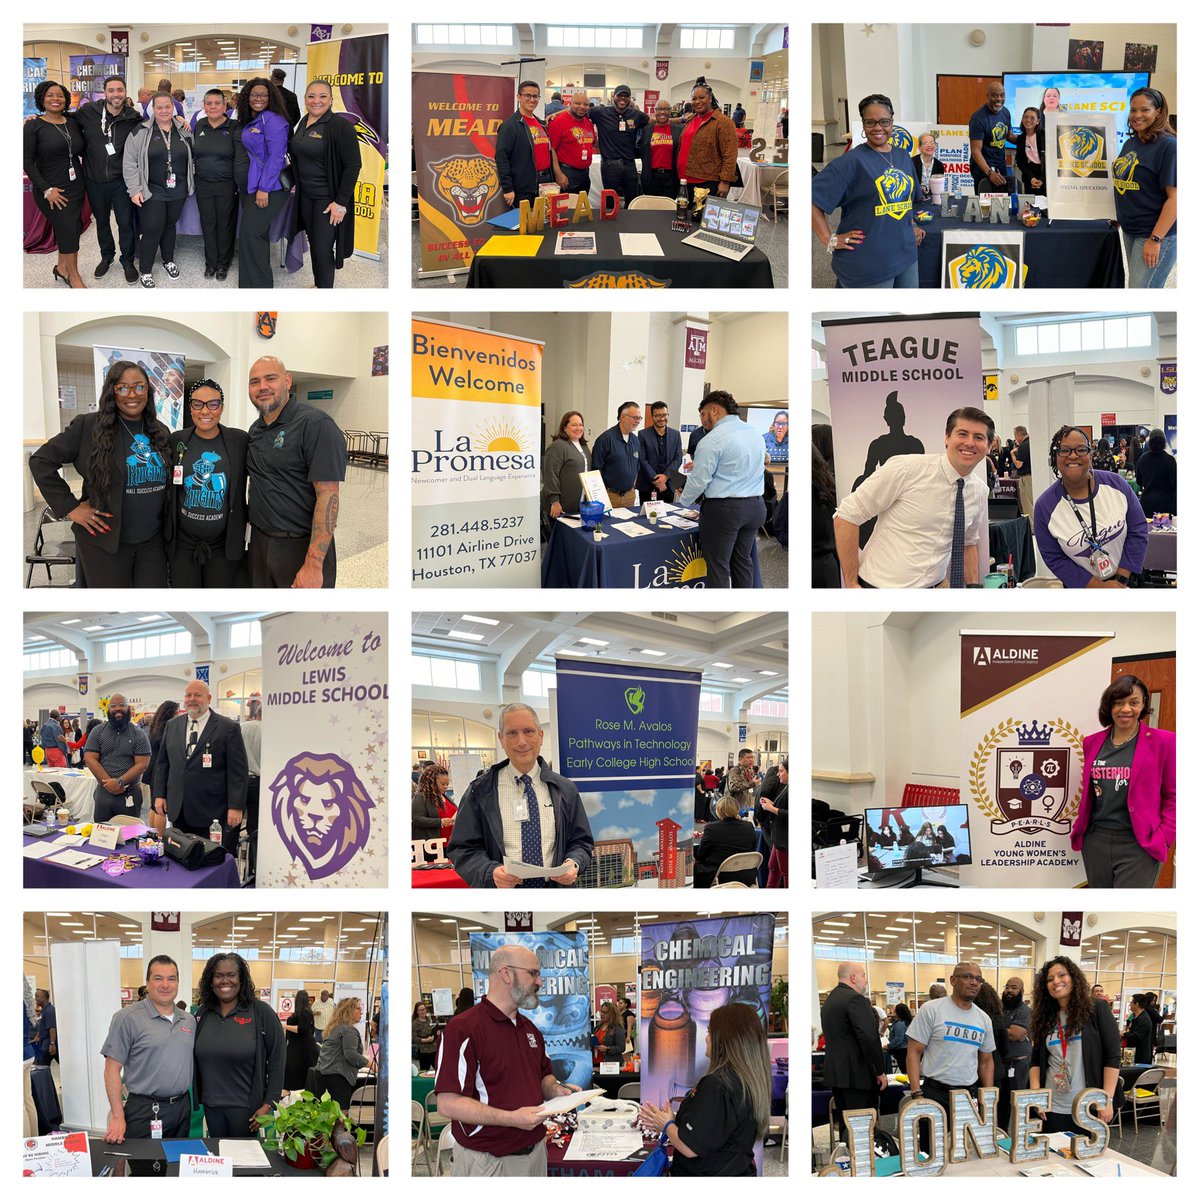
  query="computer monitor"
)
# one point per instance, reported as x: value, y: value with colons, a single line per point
x: 913, y: 839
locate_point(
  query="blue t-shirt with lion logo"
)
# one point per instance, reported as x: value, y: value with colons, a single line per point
x: 875, y: 193
x: 993, y: 129
x: 1141, y: 174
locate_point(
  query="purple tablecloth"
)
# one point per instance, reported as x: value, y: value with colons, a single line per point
x: 167, y: 874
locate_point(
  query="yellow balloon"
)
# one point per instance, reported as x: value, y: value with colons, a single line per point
x: 39, y: 755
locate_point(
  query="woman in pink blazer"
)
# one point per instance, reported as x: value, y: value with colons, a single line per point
x: 1126, y: 822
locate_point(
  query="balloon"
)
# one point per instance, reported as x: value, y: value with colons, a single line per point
x: 39, y: 755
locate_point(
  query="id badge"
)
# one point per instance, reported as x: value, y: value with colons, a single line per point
x: 156, y: 1129
x: 206, y: 760
x: 1012, y: 1072
x: 109, y: 148
x: 171, y: 180
x: 521, y: 810
x: 71, y: 174
x: 177, y: 474
x: 128, y: 800
x: 1103, y: 564
x: 621, y: 126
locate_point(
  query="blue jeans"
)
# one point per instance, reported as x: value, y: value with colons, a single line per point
x: 1142, y: 276
x: 907, y: 278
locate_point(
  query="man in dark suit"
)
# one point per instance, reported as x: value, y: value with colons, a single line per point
x: 202, y: 771
x: 853, y: 1050
x: 662, y: 452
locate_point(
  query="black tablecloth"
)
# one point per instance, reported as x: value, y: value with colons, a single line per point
x: 150, y: 1150
x: 612, y: 1084
x: 680, y: 266
x: 1013, y: 537
x: 1075, y: 254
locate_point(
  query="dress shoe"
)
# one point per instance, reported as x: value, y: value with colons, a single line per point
x: 60, y: 277
x: 131, y: 273
x: 222, y: 273
x: 209, y: 272
x: 102, y: 269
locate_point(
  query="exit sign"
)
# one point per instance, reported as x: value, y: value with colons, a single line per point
x: 324, y: 394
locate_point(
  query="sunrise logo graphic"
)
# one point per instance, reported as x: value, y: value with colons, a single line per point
x: 687, y: 568
x: 499, y: 435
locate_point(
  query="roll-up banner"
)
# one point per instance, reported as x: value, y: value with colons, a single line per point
x: 688, y: 969
x: 893, y: 383
x: 1081, y: 148
x: 88, y: 72
x: 564, y: 1011
x: 476, y: 459
x: 324, y: 750
x: 455, y: 121
x: 34, y: 73
x: 1025, y: 702
x: 357, y: 70
x: 165, y: 369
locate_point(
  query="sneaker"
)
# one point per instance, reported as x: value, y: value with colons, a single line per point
x: 209, y: 272
x: 131, y: 273
x: 147, y: 281
x: 171, y: 269
x: 102, y: 269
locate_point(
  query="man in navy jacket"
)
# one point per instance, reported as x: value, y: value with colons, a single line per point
x: 662, y: 452
x: 522, y: 811
x: 617, y: 454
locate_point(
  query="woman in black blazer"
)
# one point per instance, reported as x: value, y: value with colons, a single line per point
x: 1032, y: 140
x: 209, y: 472
x: 727, y: 835
x: 926, y: 164
x: 1063, y: 1012
x: 123, y: 519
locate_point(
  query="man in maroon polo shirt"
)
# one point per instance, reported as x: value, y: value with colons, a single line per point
x: 493, y: 1074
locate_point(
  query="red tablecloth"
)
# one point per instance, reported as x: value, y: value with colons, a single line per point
x: 556, y: 1164
x: 443, y: 877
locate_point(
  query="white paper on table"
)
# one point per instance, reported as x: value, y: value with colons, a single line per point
x: 643, y: 244
x: 78, y: 859
x: 837, y: 866
x: 71, y: 839
x: 1104, y: 1168
x: 243, y: 1152
x: 629, y: 529
x: 623, y: 514
x: 610, y: 1144
x: 573, y: 1100
x: 526, y: 871
x: 574, y: 522
x: 40, y: 849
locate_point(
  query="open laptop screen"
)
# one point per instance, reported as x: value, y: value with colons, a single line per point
x: 734, y: 220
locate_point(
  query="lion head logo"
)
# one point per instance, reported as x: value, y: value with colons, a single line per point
x: 902, y: 140
x: 982, y: 267
x: 468, y: 184
x: 321, y: 811
x: 1083, y: 147
x: 895, y: 187
x: 1123, y: 169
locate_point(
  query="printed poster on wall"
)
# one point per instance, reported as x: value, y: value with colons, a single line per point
x: 892, y: 384
x: 1171, y: 431
x: 564, y: 1010
x: 1025, y: 701
x: 165, y: 370
x: 88, y: 72
x: 357, y: 70
x: 688, y: 969
x: 988, y: 260
x: 325, y: 722
x: 476, y: 458
x: 1082, y: 148
x: 34, y: 73
x: 455, y: 121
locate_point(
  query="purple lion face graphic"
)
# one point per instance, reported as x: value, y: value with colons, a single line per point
x: 321, y: 811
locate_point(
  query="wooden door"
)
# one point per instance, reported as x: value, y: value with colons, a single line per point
x: 1157, y: 672
x: 960, y: 96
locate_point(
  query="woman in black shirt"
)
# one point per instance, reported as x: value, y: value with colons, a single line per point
x: 210, y: 496
x: 1156, y: 474
x: 722, y: 1117
x: 301, y: 1044
x: 53, y: 160
x: 216, y: 191
x: 239, y: 1050
x: 122, y: 519
x: 327, y: 161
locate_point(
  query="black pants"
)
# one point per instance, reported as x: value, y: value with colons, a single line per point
x: 158, y: 221
x: 934, y: 1089
x: 106, y: 805
x: 425, y: 1060
x: 322, y: 236
x: 227, y: 1122
x: 112, y: 199
x: 984, y: 184
x: 217, y: 202
x: 531, y: 196
x: 848, y: 1099
x: 727, y: 529
x: 254, y: 243
x: 578, y: 179
x: 1054, y: 1122
x: 621, y: 175
x: 338, y: 1087
x: 67, y: 222
x: 663, y: 182
x: 176, y: 1120
x: 275, y: 561
x: 1017, y: 1083
x: 216, y: 572
x: 200, y: 827
x: 140, y: 566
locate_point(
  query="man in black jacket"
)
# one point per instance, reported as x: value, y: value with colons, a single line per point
x: 617, y: 127
x: 520, y: 811
x: 523, y: 160
x: 106, y: 124
x: 290, y: 101
x: 853, y: 1051
x: 1139, y: 1033
x: 201, y: 771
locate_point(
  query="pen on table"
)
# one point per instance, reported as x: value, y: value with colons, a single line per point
x: 118, y: 1153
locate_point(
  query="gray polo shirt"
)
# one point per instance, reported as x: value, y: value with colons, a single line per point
x: 953, y: 1038
x: 156, y: 1051
x: 117, y: 748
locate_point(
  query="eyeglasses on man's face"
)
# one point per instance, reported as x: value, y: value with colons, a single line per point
x: 130, y: 389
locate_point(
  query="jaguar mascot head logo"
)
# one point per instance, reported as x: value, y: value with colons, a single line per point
x: 627, y: 279
x: 902, y: 140
x: 1123, y: 169
x: 321, y: 811
x: 468, y: 184
x: 1083, y: 147
x: 982, y: 267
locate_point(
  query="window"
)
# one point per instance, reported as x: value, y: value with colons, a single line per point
x: 607, y: 37
x: 715, y: 38
x: 50, y: 660
x: 464, y: 35
x: 536, y: 683
x: 138, y: 649
x: 764, y: 707
x: 245, y: 633
x: 1083, y: 337
x: 712, y: 702
x: 453, y: 674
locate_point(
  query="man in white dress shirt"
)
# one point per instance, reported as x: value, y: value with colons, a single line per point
x: 920, y: 500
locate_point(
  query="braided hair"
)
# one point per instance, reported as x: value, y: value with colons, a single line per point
x: 98, y: 476
x: 1056, y: 442
x: 702, y: 83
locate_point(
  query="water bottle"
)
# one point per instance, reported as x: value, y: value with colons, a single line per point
x: 841, y: 1157
x: 214, y: 831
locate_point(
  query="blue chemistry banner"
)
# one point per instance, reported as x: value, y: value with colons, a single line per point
x: 564, y: 1013
x: 626, y: 727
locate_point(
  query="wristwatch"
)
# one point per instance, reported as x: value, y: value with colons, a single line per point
x: 1122, y: 580
x: 1155, y: 238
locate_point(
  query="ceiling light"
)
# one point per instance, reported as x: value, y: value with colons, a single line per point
x: 741, y: 680
x: 479, y: 620
x: 592, y: 642
x: 771, y: 673
x: 655, y: 653
x: 723, y: 666
x: 92, y: 628
x: 72, y: 621
x: 465, y: 637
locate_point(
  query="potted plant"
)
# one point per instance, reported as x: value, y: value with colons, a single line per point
x: 779, y: 1004
x: 312, y: 1132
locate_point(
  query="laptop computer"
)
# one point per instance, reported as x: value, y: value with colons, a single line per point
x: 727, y: 228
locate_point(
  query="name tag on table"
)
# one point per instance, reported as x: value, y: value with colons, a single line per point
x: 207, y: 1165
x: 106, y: 836
x: 610, y: 1068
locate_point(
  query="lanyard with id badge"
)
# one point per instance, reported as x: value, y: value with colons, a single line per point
x: 1101, y: 561
x: 65, y: 130
x: 166, y: 137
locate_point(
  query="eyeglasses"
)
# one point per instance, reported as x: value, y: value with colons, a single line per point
x: 211, y: 405
x: 535, y: 973
x: 969, y: 978
x: 885, y: 123
x: 531, y: 95
x: 126, y: 389
x: 1074, y: 452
